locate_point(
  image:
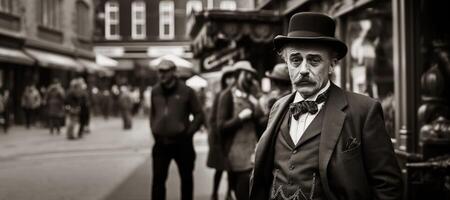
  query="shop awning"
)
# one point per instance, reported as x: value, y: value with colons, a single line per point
x: 105, y: 61
x: 196, y: 82
x: 124, y: 64
x: 114, y: 64
x: 92, y: 67
x: 178, y: 61
x: 210, y: 28
x: 16, y: 56
x: 54, y: 60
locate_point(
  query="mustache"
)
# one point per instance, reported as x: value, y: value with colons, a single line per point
x: 304, y: 80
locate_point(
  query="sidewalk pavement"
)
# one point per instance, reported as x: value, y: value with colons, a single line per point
x: 19, y: 141
x: 126, y: 157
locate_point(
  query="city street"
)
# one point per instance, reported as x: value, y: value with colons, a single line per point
x: 107, y: 164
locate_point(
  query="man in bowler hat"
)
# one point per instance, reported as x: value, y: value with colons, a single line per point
x: 322, y: 142
x: 171, y: 104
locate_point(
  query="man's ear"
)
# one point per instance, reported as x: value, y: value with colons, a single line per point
x: 333, y: 63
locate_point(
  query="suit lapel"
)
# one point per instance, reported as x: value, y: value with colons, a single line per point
x: 264, y: 144
x: 268, y: 134
x: 313, y: 129
x: 285, y: 129
x: 331, y: 129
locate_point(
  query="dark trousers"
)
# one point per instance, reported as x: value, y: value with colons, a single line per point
x: 54, y: 123
x: 126, y: 118
x: 29, y: 116
x: 184, y: 156
x: 240, y: 184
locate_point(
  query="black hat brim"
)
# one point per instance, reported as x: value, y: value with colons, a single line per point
x: 340, y: 47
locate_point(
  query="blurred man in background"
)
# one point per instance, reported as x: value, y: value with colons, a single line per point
x: 31, y: 101
x: 171, y: 104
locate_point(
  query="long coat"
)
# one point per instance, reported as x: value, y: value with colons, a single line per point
x: 356, y: 156
x: 216, y: 157
x: 55, y: 101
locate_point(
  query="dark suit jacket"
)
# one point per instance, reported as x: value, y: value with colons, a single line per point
x: 356, y: 156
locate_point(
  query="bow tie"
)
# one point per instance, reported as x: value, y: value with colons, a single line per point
x: 304, y: 106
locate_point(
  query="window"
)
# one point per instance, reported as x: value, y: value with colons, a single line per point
x: 193, y: 6
x: 210, y: 4
x: 50, y: 14
x: 6, y: 6
x: 112, y: 20
x: 83, y: 22
x: 371, y: 71
x: 138, y: 20
x: 228, y: 5
x: 166, y: 20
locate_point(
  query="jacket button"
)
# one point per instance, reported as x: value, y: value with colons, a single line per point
x: 294, y: 152
x: 291, y: 167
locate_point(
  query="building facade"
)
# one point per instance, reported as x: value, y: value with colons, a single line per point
x: 41, y: 40
x: 139, y: 31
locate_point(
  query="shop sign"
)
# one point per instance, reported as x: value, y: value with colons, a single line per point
x: 157, y: 51
x: 216, y: 60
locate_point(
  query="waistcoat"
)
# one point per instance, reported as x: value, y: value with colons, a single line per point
x: 296, y: 167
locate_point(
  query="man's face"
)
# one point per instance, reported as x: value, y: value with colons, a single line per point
x: 166, y: 76
x: 309, y: 67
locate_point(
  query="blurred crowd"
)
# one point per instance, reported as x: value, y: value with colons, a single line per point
x: 55, y: 107
x: 234, y: 122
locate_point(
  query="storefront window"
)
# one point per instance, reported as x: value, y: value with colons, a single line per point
x: 370, y: 60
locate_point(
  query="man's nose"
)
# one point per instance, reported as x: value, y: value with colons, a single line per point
x: 304, y: 70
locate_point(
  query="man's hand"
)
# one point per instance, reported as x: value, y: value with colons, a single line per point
x: 245, y: 114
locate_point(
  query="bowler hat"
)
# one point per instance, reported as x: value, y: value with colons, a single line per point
x: 165, y: 65
x: 311, y: 27
x: 279, y: 72
x: 244, y: 65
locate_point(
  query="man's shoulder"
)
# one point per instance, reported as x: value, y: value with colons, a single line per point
x: 182, y: 87
x: 354, y: 97
x: 281, y: 100
x: 359, y: 102
x: 156, y: 88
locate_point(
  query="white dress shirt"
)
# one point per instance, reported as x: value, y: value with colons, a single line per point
x: 299, y: 126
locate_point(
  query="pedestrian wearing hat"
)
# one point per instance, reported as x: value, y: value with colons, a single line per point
x: 238, y: 120
x: 280, y: 86
x: 171, y: 104
x: 322, y: 142
x: 216, y: 157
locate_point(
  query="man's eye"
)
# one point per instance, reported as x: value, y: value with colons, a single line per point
x: 296, y: 60
x: 314, y: 61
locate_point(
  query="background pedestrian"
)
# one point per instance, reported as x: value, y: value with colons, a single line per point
x: 31, y: 101
x: 172, y: 102
x: 216, y: 158
x: 54, y: 99
x: 238, y: 118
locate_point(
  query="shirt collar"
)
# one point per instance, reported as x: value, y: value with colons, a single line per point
x: 298, y: 96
